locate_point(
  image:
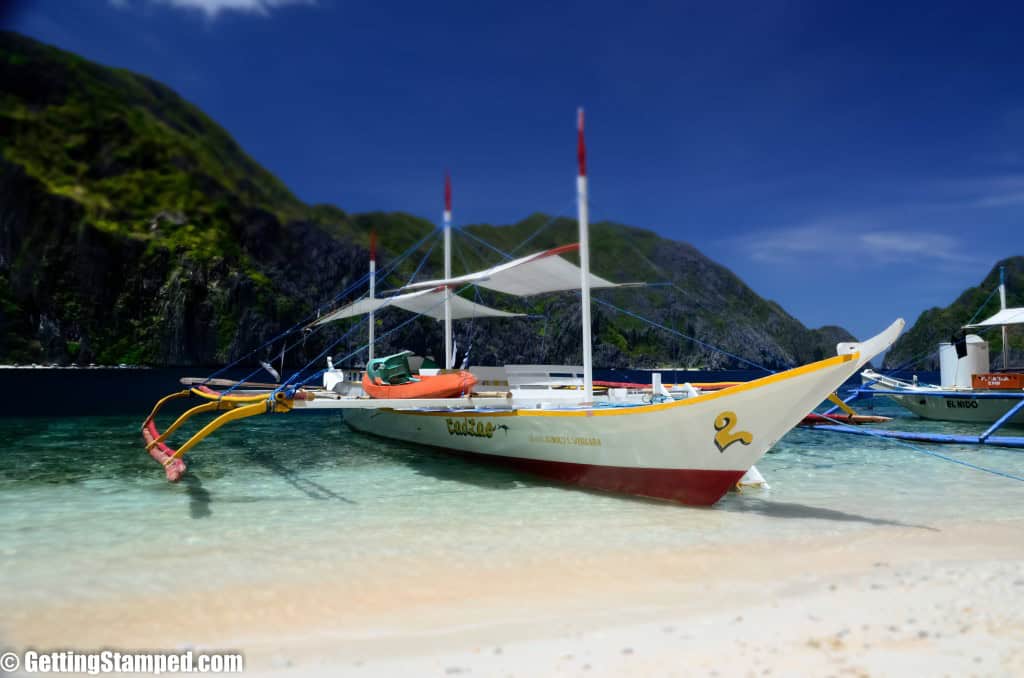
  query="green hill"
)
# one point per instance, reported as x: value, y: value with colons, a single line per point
x: 134, y: 229
x: 919, y: 345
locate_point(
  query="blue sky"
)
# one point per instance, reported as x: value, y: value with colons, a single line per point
x: 852, y: 162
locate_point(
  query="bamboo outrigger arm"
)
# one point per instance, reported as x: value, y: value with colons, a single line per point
x: 234, y: 407
x: 835, y: 399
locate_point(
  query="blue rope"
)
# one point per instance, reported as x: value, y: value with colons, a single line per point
x: 983, y: 305
x: 943, y: 457
x: 391, y: 268
x: 422, y: 262
x: 483, y: 242
x: 361, y: 348
x: 323, y: 353
x: 680, y: 334
x: 386, y: 271
x: 245, y: 379
x: 462, y: 257
x: 915, y: 359
x: 302, y: 323
x: 643, y: 319
x: 536, y: 233
x: 315, y: 313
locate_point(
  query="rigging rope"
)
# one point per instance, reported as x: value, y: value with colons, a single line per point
x: 287, y: 382
x: 462, y: 257
x: 301, y: 324
x: 542, y: 228
x: 983, y: 305
x: 483, y: 242
x: 914, y: 360
x: 297, y: 326
x: 680, y: 334
x: 394, y: 329
x: 930, y: 453
x: 646, y: 320
x: 423, y: 261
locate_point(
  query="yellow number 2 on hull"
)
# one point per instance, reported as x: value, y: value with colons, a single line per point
x: 724, y: 424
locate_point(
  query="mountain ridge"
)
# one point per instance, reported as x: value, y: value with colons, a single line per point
x: 134, y: 229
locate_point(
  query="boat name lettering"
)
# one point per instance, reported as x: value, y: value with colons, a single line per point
x: 725, y: 422
x: 961, y: 403
x: 470, y: 427
x: 584, y: 441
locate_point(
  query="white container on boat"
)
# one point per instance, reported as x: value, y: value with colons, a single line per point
x: 956, y: 372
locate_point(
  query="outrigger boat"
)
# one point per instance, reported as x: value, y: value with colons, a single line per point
x: 969, y: 391
x: 690, y: 450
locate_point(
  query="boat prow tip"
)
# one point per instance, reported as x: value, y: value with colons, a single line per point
x: 869, y: 348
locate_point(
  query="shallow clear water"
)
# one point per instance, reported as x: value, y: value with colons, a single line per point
x: 87, y: 513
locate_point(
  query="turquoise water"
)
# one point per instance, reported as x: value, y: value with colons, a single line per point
x: 87, y: 513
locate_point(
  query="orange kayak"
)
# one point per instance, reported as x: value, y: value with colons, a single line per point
x: 445, y: 385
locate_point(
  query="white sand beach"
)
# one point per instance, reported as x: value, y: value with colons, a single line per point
x: 942, y: 599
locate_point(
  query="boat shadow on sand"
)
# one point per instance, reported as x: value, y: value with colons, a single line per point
x: 793, y: 510
x: 311, y: 488
x: 490, y: 475
x: 200, y: 499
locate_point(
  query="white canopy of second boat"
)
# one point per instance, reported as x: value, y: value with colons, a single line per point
x: 1007, y: 316
x: 534, y: 274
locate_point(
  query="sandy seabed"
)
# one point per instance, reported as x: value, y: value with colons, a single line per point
x: 936, y: 600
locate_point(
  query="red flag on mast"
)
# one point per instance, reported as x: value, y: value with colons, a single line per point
x: 373, y: 244
x: 581, y: 146
x: 447, y: 191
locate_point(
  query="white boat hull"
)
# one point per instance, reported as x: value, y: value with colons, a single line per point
x: 960, y: 407
x: 945, y: 404
x: 690, y: 451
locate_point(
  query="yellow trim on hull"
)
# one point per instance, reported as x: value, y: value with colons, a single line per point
x: 655, y: 407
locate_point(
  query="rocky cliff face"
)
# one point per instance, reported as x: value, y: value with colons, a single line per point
x: 917, y: 348
x: 134, y: 229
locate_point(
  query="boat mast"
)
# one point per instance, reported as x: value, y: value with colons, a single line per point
x: 448, y: 357
x: 373, y: 291
x: 1002, y: 307
x: 581, y: 196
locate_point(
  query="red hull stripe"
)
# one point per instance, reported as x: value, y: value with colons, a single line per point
x: 685, y: 486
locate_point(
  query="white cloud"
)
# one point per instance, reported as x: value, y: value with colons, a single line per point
x: 847, y: 242
x: 212, y: 8
x: 1002, y: 191
x: 910, y: 243
x: 983, y: 192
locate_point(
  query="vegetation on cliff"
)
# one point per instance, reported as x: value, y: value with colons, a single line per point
x: 917, y: 348
x: 135, y: 229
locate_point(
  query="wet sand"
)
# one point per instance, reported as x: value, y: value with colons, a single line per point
x: 938, y: 599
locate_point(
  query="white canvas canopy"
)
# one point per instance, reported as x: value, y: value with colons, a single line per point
x: 428, y: 302
x: 1007, y: 316
x: 534, y: 274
